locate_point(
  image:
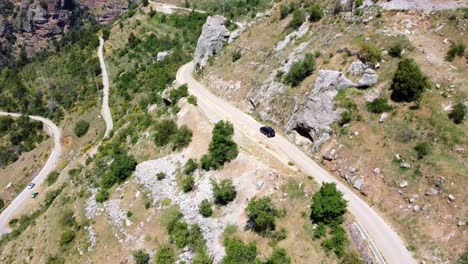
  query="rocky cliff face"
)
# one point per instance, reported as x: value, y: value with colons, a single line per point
x: 211, y: 41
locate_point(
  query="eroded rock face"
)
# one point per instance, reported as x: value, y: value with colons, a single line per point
x: 313, y: 118
x: 214, y: 34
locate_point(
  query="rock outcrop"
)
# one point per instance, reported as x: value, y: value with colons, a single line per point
x: 313, y: 118
x: 211, y: 41
x: 357, y: 68
x: 369, y: 78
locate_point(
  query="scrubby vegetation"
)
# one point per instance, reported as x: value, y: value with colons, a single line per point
x: 297, y: 20
x: 222, y: 148
x: 239, y: 252
x: 456, y: 50
x: 52, y: 178
x: 262, y: 214
x: 176, y: 94
x: 205, y: 208
x: 164, y: 255
x: 16, y: 136
x: 224, y: 192
x: 422, y: 149
x: 234, y: 8
x: 300, y: 70
x: 141, y: 257
x: 81, y: 128
x: 166, y: 131
x: 370, y: 54
x: 316, y: 12
x: 408, y: 82
x: 236, y: 55
x: 458, y: 113
x: 379, y: 105
x: 328, y: 208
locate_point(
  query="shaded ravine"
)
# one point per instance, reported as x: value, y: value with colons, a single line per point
x: 105, y: 110
x: 19, y: 201
x: 382, y: 235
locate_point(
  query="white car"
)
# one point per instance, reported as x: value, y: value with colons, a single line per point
x: 31, y: 185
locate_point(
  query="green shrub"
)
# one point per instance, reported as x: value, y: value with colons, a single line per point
x: 163, y: 131
x: 192, y: 100
x: 300, y: 70
x: 67, y: 236
x: 337, y: 243
x: 320, y: 231
x: 170, y: 216
x: 458, y: 113
x: 316, y: 13
x: 205, y: 208
x: 395, y: 50
x: 239, y: 252
x: 141, y: 257
x: 55, y: 260
x: 52, y: 178
x: 351, y: 258
x: 81, y: 127
x: 202, y: 257
x: 284, y: 11
x: 379, y: 105
x: 2, y: 204
x: 160, y: 175
x: 176, y: 94
x: 187, y: 183
x: 455, y: 51
x: 279, y: 256
x: 224, y: 192
x: 422, y: 149
x: 358, y: 3
x: 181, y: 138
x: 222, y: 148
x: 346, y: 117
x: 328, y: 205
x: 262, y: 214
x: 102, y: 195
x: 190, y: 166
x: 165, y: 255
x: 277, y: 236
x: 408, y: 82
x: 370, y: 54
x: 297, y: 20
x: 67, y: 218
x: 105, y: 33
x: 120, y: 169
x: 236, y: 55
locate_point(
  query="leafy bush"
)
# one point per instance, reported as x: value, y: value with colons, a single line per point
x: 176, y: 94
x: 52, y: 178
x: 262, y: 213
x: 222, y: 148
x: 239, y: 252
x: 102, y: 195
x: 54, y: 260
x: 300, y: 70
x: 395, y: 50
x: 105, y: 33
x: 119, y: 170
x: 81, y: 127
x: 455, y: 51
x: 284, y: 11
x: 408, y: 82
x: 337, y: 243
x: 316, y: 13
x: 458, y: 113
x: 190, y: 166
x: 67, y: 218
x: 358, y: 3
x: 351, y: 258
x: 163, y: 131
x: 67, y: 236
x: 370, y: 54
x: 141, y: 257
x: 378, y: 106
x: 165, y: 255
x: 279, y: 256
x: 236, y: 55
x: 187, y: 183
x: 205, y: 208
x: 2, y: 204
x: 160, y: 175
x: 297, y: 20
x: 224, y: 192
x: 346, y: 117
x: 422, y: 149
x: 181, y: 138
x: 182, y: 235
x: 328, y: 205
x: 192, y: 100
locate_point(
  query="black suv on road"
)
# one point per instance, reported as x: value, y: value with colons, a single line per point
x: 267, y: 131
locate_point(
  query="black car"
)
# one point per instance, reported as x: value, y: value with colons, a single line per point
x: 267, y: 131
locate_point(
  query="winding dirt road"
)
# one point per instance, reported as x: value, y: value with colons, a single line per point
x: 105, y: 111
x: 48, y: 167
x: 383, y: 237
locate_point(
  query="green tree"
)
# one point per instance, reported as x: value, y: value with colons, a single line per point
x: 120, y: 169
x: 224, y: 192
x: 190, y: 166
x: 165, y: 255
x: 300, y: 70
x: 458, y: 113
x: 238, y: 252
x: 222, y: 148
x: 205, y: 208
x: 81, y: 127
x: 176, y: 94
x: 141, y: 257
x: 262, y: 214
x: 298, y: 19
x: 181, y: 138
x: 328, y: 205
x: 408, y: 82
x: 316, y: 13
x: 163, y: 131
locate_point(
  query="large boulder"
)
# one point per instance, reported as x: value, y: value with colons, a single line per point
x: 313, y: 118
x: 214, y: 34
x: 357, y: 68
x: 369, y: 78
